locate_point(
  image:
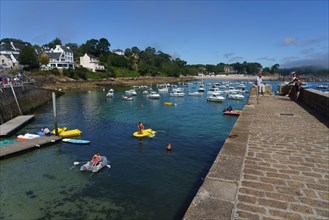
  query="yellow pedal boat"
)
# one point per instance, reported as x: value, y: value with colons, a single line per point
x: 145, y: 133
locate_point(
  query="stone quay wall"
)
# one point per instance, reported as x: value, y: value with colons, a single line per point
x: 29, y: 98
x: 273, y: 165
x: 316, y: 100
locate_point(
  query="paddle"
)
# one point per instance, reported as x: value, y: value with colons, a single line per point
x: 77, y: 163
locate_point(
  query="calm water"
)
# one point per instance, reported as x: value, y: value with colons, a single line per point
x: 145, y: 181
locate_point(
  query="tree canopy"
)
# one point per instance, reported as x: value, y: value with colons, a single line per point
x: 143, y: 62
x: 28, y: 58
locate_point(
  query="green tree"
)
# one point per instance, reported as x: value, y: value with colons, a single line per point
x: 253, y: 68
x: 128, y: 52
x: 53, y: 43
x: 18, y: 41
x: 28, y: 58
x: 103, y: 46
x: 44, y: 59
x: 275, y: 68
x: 135, y: 50
x: 266, y: 70
x: 118, y: 61
x: 89, y: 47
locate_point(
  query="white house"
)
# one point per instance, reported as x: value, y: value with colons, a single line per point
x: 90, y: 62
x: 118, y: 52
x: 60, y: 57
x: 9, y: 54
x: 229, y: 69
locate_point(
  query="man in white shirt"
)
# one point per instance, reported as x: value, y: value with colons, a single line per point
x: 260, y: 85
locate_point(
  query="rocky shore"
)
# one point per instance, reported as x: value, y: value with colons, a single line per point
x: 66, y: 84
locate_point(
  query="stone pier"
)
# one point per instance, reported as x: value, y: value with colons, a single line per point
x: 273, y: 165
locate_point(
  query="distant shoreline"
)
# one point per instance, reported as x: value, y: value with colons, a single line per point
x: 233, y: 77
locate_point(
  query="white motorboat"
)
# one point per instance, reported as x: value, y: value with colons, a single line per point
x: 195, y: 93
x: 235, y: 96
x: 201, y: 88
x: 127, y: 98
x: 177, y: 93
x: 215, y: 98
x: 153, y: 95
x: 110, y: 93
x: 131, y: 92
x: 163, y: 87
x: 214, y: 90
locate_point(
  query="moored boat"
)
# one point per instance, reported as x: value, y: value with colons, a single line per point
x: 153, y: 95
x: 232, y: 112
x: 110, y: 93
x: 215, y: 98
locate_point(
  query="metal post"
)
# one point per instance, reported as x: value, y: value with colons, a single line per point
x: 257, y: 93
x: 55, y: 113
x: 12, y: 88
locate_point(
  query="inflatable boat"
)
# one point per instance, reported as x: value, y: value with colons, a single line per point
x: 232, y: 112
x: 89, y: 167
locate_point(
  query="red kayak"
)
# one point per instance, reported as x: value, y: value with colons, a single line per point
x: 232, y: 112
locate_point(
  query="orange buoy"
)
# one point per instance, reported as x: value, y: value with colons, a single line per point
x: 169, y: 147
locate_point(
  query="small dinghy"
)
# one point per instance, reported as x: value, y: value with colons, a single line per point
x: 232, y: 112
x: 75, y: 141
x: 89, y: 167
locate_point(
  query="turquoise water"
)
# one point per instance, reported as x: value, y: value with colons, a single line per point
x: 144, y: 182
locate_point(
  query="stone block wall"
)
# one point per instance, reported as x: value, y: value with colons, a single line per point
x: 28, y: 97
x: 312, y: 98
x: 268, y: 89
x: 318, y: 101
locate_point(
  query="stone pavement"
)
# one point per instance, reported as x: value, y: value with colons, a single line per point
x: 274, y: 165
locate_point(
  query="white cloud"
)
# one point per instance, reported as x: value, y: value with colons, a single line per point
x: 235, y: 59
x: 314, y: 40
x: 266, y: 59
x: 290, y: 41
x: 316, y: 60
x: 227, y: 55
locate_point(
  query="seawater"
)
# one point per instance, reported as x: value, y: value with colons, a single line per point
x: 144, y: 181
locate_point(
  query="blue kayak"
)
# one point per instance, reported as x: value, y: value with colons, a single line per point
x: 75, y: 141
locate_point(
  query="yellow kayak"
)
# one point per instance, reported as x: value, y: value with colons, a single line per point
x: 70, y: 133
x: 145, y: 133
x: 168, y: 103
x: 60, y: 130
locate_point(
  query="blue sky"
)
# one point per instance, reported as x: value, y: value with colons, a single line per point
x: 290, y: 33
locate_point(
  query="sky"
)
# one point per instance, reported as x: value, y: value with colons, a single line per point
x: 289, y: 33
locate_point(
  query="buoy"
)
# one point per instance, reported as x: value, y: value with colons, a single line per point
x: 169, y: 147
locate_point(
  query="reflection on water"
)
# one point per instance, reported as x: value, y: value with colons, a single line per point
x: 145, y: 181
